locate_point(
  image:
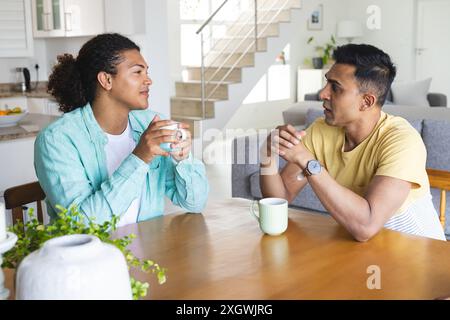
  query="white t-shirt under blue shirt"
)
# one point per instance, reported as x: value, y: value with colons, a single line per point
x: 117, y: 149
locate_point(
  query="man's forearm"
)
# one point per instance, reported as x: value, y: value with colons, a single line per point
x: 348, y: 208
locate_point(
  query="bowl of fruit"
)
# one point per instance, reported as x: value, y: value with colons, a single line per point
x: 10, y: 117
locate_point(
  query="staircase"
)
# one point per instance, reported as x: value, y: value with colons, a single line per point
x: 233, y: 65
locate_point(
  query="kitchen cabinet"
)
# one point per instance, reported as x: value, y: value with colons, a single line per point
x: 43, y: 106
x: 16, y: 162
x: 32, y: 105
x: 13, y: 102
x: 17, y: 143
x: 67, y: 18
x: 15, y: 29
x: 17, y: 168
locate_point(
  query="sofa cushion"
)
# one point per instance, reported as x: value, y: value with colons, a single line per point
x: 307, y: 199
x: 416, y: 124
x: 312, y: 115
x: 413, y: 93
x: 255, y: 190
x: 436, y: 136
x: 389, y: 99
x: 437, y: 99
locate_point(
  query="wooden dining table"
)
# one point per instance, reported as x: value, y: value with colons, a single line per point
x: 223, y: 254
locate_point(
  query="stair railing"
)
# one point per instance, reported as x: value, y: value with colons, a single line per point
x: 252, y: 32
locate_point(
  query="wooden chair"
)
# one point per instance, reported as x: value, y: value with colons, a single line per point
x: 17, y: 197
x: 440, y: 179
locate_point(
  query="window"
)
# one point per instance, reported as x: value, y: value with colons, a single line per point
x: 276, y: 83
x: 193, y: 13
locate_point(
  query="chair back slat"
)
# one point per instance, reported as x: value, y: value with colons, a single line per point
x: 18, y: 196
x: 440, y: 179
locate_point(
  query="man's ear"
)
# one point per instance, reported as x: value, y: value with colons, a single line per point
x: 369, y: 101
x: 105, y: 80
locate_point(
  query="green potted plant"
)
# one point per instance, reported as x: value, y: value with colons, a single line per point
x: 325, y: 52
x: 32, y: 235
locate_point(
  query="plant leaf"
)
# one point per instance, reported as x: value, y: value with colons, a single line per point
x: 32, y: 235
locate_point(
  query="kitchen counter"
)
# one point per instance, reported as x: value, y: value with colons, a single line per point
x: 31, y: 94
x: 27, y: 127
x: 40, y: 92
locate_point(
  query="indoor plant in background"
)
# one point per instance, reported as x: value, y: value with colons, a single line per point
x: 325, y: 52
x: 32, y: 235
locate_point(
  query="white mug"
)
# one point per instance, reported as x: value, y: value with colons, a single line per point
x: 272, y: 215
x: 180, y: 135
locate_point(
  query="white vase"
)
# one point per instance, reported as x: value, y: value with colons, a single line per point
x: 74, y: 267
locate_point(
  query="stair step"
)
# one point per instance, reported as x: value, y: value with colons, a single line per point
x: 277, y: 4
x: 265, y: 16
x: 239, y: 45
x: 270, y: 30
x: 191, y: 108
x: 214, y: 73
x: 193, y: 99
x: 211, y: 82
x: 215, y: 59
x: 192, y: 89
x: 187, y: 106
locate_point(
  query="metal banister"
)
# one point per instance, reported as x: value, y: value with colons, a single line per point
x: 255, y: 31
x: 248, y: 48
x: 211, y: 17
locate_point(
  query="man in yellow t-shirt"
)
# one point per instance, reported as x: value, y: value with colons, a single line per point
x: 366, y: 167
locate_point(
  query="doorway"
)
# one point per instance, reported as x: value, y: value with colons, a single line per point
x: 433, y: 44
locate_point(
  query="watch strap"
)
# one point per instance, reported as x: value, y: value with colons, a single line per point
x: 306, y: 172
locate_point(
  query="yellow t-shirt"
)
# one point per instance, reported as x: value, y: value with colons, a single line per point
x: 394, y: 148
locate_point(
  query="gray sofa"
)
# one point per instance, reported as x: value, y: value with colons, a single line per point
x: 432, y: 123
x: 434, y: 99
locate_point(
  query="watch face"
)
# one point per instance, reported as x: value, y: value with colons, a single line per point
x: 314, y: 167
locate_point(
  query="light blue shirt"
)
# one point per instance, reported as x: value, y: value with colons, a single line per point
x: 70, y: 163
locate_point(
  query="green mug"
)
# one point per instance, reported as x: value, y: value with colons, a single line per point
x: 272, y: 215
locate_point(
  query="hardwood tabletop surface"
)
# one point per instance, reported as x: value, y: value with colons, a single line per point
x: 222, y: 254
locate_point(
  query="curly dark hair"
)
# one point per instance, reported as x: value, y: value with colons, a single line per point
x: 73, y: 82
x: 374, y: 68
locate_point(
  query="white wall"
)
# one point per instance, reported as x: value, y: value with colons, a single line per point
x: 397, y: 34
x: 156, y: 53
x: 8, y: 65
x: 174, y: 42
x: 333, y: 11
x: 57, y: 46
x: 45, y: 52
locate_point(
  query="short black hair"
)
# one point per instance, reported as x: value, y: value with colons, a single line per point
x: 374, y: 68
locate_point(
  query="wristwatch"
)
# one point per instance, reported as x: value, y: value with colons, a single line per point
x: 313, y: 167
